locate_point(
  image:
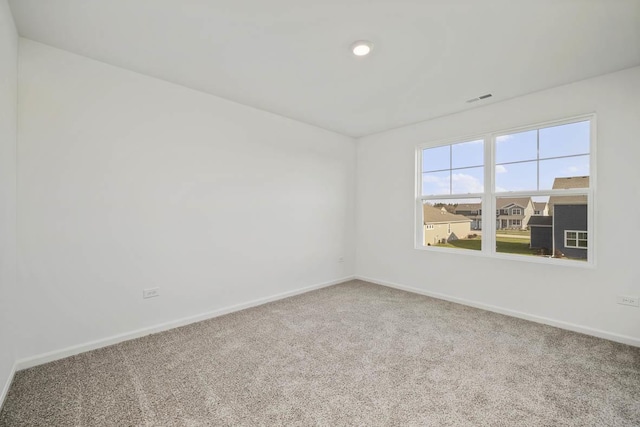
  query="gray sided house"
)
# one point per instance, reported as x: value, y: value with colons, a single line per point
x: 542, y: 233
x: 565, y: 230
x: 570, y: 230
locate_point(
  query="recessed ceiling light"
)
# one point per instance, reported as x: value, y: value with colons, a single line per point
x: 361, y: 47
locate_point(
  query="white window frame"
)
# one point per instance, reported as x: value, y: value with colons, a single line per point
x: 489, y: 196
x: 577, y: 239
x: 513, y: 222
x: 513, y: 211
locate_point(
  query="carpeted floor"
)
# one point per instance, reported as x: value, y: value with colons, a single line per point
x: 351, y: 354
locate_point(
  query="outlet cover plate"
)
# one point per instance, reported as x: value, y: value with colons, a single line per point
x: 633, y: 301
x: 150, y: 293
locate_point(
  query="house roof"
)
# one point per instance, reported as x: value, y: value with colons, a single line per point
x: 568, y: 183
x: 540, y: 221
x: 503, y: 202
x: 469, y: 207
x: 432, y: 214
x: 571, y: 182
x: 539, y: 206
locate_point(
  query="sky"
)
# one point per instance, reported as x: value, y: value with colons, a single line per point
x: 457, y: 169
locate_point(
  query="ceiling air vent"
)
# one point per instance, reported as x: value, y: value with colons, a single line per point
x: 479, y: 98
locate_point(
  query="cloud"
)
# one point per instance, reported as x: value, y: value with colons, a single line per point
x: 501, y: 169
x: 463, y: 183
x: 503, y: 138
x: 435, y: 179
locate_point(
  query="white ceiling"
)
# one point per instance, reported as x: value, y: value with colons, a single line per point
x: 292, y: 57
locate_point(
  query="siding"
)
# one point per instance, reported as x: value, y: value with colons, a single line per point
x: 569, y: 217
x: 542, y: 237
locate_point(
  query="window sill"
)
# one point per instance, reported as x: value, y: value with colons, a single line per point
x: 509, y: 257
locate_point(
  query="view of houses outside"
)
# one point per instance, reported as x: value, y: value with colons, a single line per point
x: 537, y: 226
x: 532, y: 163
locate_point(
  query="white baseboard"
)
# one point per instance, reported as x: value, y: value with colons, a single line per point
x: 5, y: 387
x: 115, y: 339
x: 624, y: 339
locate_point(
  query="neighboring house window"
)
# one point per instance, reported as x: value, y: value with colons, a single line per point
x: 575, y: 239
x: 549, y: 165
x: 448, y: 228
x: 429, y: 226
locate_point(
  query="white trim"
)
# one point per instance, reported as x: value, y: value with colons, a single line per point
x: 624, y: 339
x: 490, y: 195
x: 40, y: 359
x: 7, y: 385
x: 577, y: 239
x: 535, y: 259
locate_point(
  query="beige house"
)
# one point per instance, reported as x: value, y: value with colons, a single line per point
x: 513, y: 213
x: 441, y: 225
x: 540, y: 209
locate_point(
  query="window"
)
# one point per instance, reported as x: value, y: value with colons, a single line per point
x: 451, y: 176
x: 575, y: 239
x: 547, y: 165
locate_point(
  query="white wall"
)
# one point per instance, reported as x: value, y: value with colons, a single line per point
x: 127, y: 182
x: 579, y: 296
x: 8, y: 111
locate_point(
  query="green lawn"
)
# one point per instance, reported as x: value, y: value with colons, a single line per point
x: 514, y: 232
x: 507, y: 245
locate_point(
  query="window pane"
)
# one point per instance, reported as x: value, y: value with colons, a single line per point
x: 565, y: 140
x: 517, y: 147
x: 436, y: 183
x: 468, y: 154
x: 438, y: 158
x: 512, y: 218
x: 564, y: 168
x: 517, y: 176
x: 560, y: 234
x: 453, y: 224
x: 469, y: 180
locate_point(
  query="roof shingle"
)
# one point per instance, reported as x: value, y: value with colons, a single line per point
x: 432, y: 214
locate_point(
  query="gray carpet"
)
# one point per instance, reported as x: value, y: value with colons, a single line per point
x: 351, y: 354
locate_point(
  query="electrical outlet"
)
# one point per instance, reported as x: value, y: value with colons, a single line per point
x: 150, y: 293
x: 628, y: 300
